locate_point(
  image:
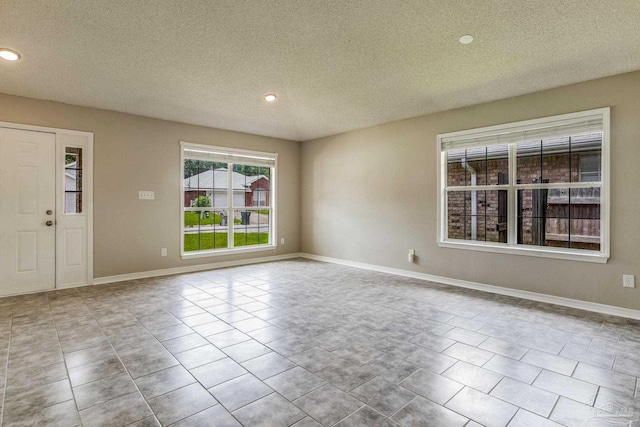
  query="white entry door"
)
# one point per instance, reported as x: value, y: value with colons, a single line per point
x: 27, y: 211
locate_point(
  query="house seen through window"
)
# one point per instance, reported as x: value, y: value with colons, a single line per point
x: 228, y: 199
x: 537, y: 184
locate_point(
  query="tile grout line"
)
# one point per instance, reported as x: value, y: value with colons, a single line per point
x: 405, y: 405
x: 66, y: 369
x: 209, y: 343
x: 6, y: 374
x: 296, y: 302
x: 120, y: 360
x: 344, y: 418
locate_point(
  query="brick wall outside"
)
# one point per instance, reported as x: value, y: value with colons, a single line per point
x: 555, y: 168
x: 263, y: 184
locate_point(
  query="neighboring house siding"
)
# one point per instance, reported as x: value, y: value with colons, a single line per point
x: 218, y: 199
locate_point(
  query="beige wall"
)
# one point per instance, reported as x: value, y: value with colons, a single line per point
x: 133, y: 153
x: 370, y: 196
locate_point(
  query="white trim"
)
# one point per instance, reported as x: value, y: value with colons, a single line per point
x: 45, y: 129
x: 532, y: 296
x: 215, y: 149
x: 87, y: 193
x: 191, y: 269
x: 580, y: 122
x: 231, y: 249
x: 536, y: 251
x: 228, y: 251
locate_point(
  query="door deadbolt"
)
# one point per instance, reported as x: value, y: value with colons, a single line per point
x: 49, y: 212
x: 49, y: 223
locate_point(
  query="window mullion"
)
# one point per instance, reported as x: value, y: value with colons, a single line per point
x: 230, y: 221
x: 512, y: 198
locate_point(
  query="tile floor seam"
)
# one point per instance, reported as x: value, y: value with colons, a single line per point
x: 488, y: 393
x: 253, y: 401
x: 453, y: 410
x: 64, y: 361
x: 518, y: 410
x: 540, y: 373
x: 123, y: 365
x: 554, y: 408
x: 374, y: 410
x: 343, y: 418
x: 6, y: 375
x: 525, y: 354
x: 405, y: 405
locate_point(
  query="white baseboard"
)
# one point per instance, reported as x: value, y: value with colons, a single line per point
x: 190, y: 269
x: 533, y: 296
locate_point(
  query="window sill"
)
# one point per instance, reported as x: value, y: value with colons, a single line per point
x: 501, y: 248
x: 221, y: 252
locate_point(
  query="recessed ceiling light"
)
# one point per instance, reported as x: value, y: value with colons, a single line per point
x: 466, y: 39
x: 270, y: 97
x: 9, y: 55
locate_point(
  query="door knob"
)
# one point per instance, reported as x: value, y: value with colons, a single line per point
x: 49, y: 223
x: 49, y: 212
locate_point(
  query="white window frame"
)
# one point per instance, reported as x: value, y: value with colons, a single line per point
x: 509, y: 134
x: 235, y: 157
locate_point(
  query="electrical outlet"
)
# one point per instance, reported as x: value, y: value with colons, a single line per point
x: 282, y: 241
x: 412, y: 255
x: 628, y: 281
x: 163, y: 251
x: 146, y: 195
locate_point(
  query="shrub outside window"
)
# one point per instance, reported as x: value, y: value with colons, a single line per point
x: 228, y: 200
x: 538, y: 187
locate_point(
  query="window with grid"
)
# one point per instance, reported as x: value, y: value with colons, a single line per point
x: 538, y: 187
x: 228, y: 200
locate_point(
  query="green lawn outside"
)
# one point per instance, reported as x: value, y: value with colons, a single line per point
x: 191, y: 219
x: 207, y: 240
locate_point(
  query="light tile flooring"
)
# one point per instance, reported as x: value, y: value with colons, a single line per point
x: 305, y: 343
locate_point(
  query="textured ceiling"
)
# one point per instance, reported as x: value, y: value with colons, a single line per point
x: 335, y: 65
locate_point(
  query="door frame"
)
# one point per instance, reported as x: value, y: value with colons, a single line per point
x: 84, y: 140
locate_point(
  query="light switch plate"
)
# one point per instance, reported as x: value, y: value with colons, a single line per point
x: 146, y: 195
x: 628, y: 281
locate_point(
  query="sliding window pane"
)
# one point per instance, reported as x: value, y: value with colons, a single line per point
x: 478, y: 166
x: 205, y: 230
x: 477, y: 215
x: 251, y: 227
x: 558, y: 163
x: 252, y: 185
x: 560, y: 217
x: 584, y: 211
x: 588, y: 152
x: 558, y: 160
x: 205, y: 184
